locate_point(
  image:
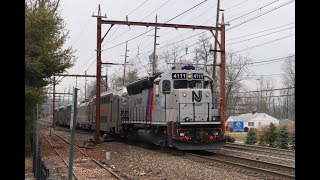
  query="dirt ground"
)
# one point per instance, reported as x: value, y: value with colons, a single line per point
x: 28, y: 162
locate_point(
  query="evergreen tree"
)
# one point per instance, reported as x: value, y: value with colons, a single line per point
x: 251, y: 137
x: 292, y: 139
x: 283, y: 138
x: 261, y: 140
x: 45, y: 36
x: 271, y: 135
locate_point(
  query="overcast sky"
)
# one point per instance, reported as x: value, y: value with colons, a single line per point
x: 276, y: 20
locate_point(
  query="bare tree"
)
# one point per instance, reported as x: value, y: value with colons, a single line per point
x: 202, y: 51
x: 117, y: 80
x: 236, y: 69
x: 289, y: 82
x: 172, y: 55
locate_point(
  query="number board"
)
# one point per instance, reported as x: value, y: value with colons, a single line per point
x: 179, y: 75
x: 197, y: 76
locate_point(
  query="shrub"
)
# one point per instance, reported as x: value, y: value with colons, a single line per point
x: 283, y: 137
x: 271, y: 135
x: 251, y: 137
x: 261, y: 135
x: 292, y: 140
x: 230, y: 139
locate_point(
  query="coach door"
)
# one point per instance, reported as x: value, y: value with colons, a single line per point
x: 156, y: 113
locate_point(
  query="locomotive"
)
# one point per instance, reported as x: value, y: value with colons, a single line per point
x: 170, y: 109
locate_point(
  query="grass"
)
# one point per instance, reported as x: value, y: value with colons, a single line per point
x: 239, y: 136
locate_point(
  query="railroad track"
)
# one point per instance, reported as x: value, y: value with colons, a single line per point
x: 59, y: 128
x: 274, y: 152
x: 74, y: 174
x: 262, y: 167
x: 113, y: 174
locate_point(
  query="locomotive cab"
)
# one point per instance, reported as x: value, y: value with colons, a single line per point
x: 183, y: 100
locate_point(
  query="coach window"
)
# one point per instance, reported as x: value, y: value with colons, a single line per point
x: 166, y: 87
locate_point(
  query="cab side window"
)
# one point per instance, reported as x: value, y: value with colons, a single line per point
x: 166, y: 87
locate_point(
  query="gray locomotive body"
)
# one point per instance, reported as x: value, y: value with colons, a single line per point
x: 174, y: 109
x: 171, y: 109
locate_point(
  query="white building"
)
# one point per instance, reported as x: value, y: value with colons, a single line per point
x: 286, y: 121
x: 253, y: 120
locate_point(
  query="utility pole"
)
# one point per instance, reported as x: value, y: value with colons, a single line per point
x: 287, y: 104
x: 106, y: 78
x: 124, y: 65
x: 63, y: 96
x: 53, y: 99
x: 72, y: 128
x: 99, y: 41
x: 214, y: 103
x: 85, y: 86
x: 154, y: 48
x: 222, y: 75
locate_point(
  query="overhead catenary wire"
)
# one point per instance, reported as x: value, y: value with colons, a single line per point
x: 285, y: 95
x: 260, y: 31
x: 235, y: 5
x: 141, y: 20
x: 257, y: 9
x: 157, y: 48
x: 127, y: 15
x: 260, y: 36
x: 257, y: 16
x: 154, y: 28
x: 277, y: 89
x: 114, y: 32
x: 188, y: 37
x: 251, y: 47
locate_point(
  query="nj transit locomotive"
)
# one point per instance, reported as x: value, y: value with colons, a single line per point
x: 172, y: 109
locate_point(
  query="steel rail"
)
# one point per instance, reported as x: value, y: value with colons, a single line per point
x: 260, y: 170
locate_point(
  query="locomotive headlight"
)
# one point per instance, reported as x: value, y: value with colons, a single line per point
x: 189, y: 76
x: 208, y: 94
x: 184, y: 94
x: 189, y: 72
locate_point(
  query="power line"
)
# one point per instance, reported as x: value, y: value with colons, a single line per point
x: 260, y: 15
x: 127, y: 40
x: 137, y: 7
x: 186, y: 11
x: 259, y: 36
x: 153, y: 28
x: 263, y: 44
x: 236, y: 5
x: 264, y: 96
x: 268, y: 75
x: 128, y: 15
x: 260, y: 31
x: 267, y: 63
x: 210, y: 37
x: 141, y: 20
x: 252, y: 11
x: 267, y: 90
x: 285, y: 57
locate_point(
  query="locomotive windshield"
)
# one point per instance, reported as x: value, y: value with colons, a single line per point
x: 184, y: 84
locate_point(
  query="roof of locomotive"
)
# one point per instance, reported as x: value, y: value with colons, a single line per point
x: 141, y: 84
